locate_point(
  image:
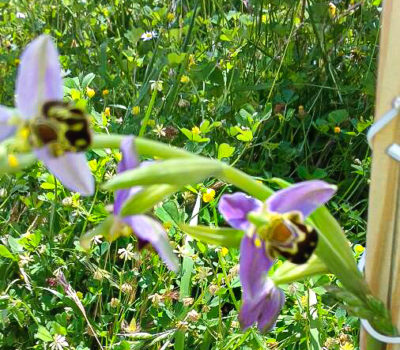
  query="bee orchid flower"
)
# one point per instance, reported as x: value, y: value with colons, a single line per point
x: 57, y: 132
x: 146, y: 229
x: 276, y: 227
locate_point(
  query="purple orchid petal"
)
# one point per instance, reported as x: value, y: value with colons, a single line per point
x: 6, y: 130
x: 129, y: 159
x: 254, y: 266
x: 304, y: 197
x: 149, y: 230
x: 122, y: 195
x: 235, y: 207
x: 265, y: 311
x: 262, y: 301
x: 71, y: 169
x: 39, y: 77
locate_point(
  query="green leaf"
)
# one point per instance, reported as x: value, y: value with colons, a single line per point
x: 175, y: 58
x: 225, y: 151
x: 338, y: 116
x: 205, y: 126
x: 245, y: 136
x: 224, y: 37
x: 187, y: 133
x: 44, y: 334
x: 5, y: 253
x: 227, y: 237
x: 14, y: 245
x: 87, y: 80
x: 178, y: 172
x: 47, y: 186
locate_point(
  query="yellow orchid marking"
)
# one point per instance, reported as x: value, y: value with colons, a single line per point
x: 257, y: 242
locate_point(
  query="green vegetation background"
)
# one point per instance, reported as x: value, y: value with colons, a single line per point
x: 278, y: 88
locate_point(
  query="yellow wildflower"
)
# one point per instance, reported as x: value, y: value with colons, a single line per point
x: 347, y: 346
x: 105, y: 92
x: 135, y: 110
x: 192, y: 60
x: 208, y: 195
x: 13, y: 161
x: 224, y: 251
x: 332, y: 9
x: 304, y: 301
x: 185, y: 79
x: 79, y: 295
x: 264, y: 19
x: 170, y: 17
x: 151, y: 123
x: 107, y: 112
x: 75, y: 94
x: 196, y: 130
x: 90, y: 92
x: 167, y: 225
x: 337, y: 130
x: 358, y: 248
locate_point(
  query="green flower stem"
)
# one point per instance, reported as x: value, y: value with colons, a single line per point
x: 246, y: 183
x: 106, y: 141
x: 143, y: 146
x: 23, y: 160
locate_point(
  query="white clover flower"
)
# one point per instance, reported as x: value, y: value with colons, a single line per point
x: 59, y: 343
x: 97, y: 239
x: 126, y: 253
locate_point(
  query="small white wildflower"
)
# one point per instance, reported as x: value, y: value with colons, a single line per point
x: 25, y: 259
x: 67, y: 202
x: 149, y: 35
x: 97, y: 239
x: 187, y: 301
x: 156, y: 298
x: 159, y: 130
x: 193, y: 316
x: 114, y: 302
x: 59, y: 343
x: 202, y: 273
x: 156, y: 85
x: 20, y: 15
x: 126, y: 253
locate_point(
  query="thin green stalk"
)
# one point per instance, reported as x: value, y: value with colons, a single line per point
x: 232, y: 295
x: 148, y: 112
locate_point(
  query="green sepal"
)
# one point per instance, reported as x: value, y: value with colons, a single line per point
x: 221, y: 236
x: 178, y: 172
x: 288, y: 272
x: 147, y: 199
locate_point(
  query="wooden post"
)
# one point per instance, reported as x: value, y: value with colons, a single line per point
x: 383, y: 236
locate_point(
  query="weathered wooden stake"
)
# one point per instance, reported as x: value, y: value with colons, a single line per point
x: 383, y: 236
